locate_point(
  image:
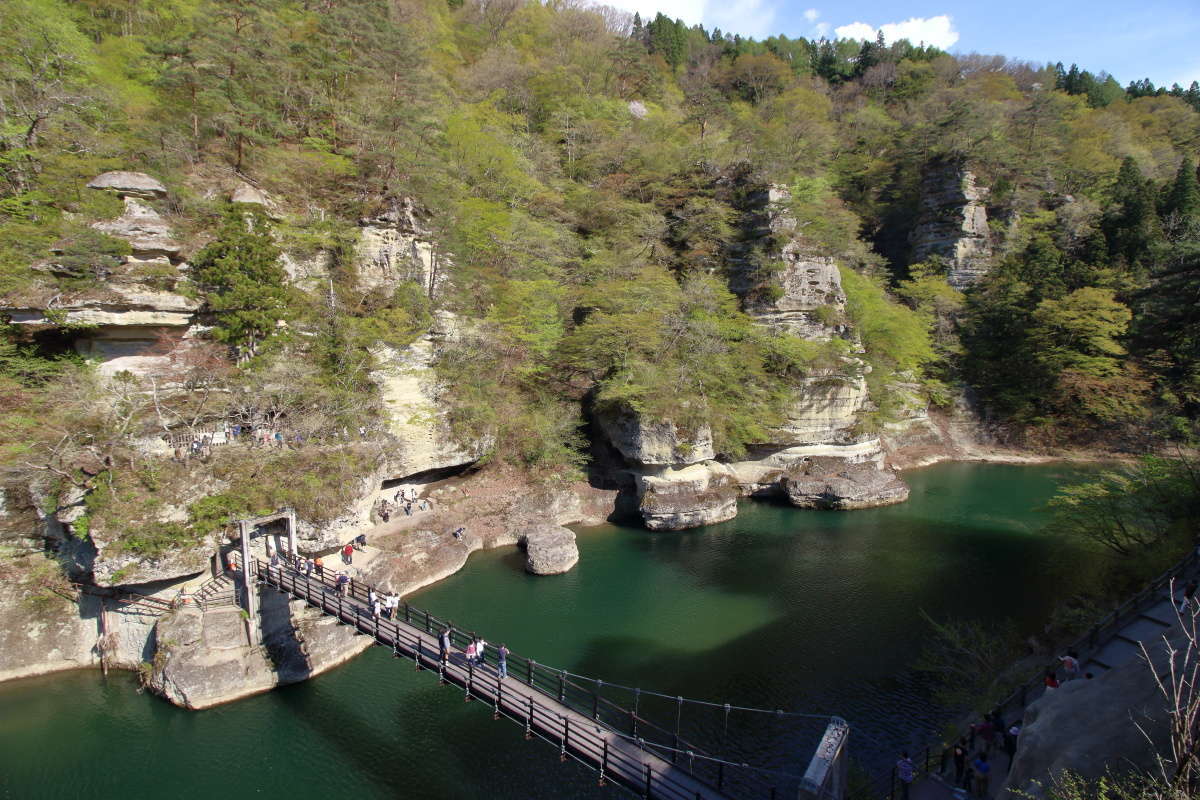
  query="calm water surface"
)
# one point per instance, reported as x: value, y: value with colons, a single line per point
x: 801, y: 610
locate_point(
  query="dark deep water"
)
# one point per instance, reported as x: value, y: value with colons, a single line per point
x: 805, y: 611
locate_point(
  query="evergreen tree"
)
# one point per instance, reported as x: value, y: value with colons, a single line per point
x: 1131, y: 224
x: 1183, y: 196
x: 241, y: 277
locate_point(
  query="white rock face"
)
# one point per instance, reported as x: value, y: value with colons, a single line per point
x: 655, y: 443
x: 138, y: 184
x: 811, y: 297
x: 953, y: 223
x: 394, y: 247
x: 144, y: 228
x: 307, y: 271
x: 410, y: 391
x: 251, y: 195
x: 824, y: 411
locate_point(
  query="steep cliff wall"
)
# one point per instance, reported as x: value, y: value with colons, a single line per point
x: 953, y: 225
x: 786, y: 286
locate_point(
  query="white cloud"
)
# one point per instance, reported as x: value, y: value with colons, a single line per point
x: 811, y: 14
x: 822, y: 30
x: 747, y: 17
x: 690, y: 11
x: 855, y: 30
x: 937, y: 31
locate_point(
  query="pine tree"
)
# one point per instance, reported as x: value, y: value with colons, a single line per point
x: 242, y: 279
x: 1131, y: 224
x: 1183, y: 197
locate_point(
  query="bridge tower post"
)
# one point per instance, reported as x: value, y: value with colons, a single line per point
x: 245, y: 529
x: 825, y: 778
x: 291, y: 532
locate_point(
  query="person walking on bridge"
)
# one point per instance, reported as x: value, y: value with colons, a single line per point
x: 444, y: 645
x: 905, y: 771
x: 480, y: 651
x: 502, y: 661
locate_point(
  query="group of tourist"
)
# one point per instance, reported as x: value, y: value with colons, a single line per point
x: 475, y: 652
x: 406, y: 500
x: 972, y: 773
x: 357, y: 543
x: 305, y: 566
x: 383, y: 605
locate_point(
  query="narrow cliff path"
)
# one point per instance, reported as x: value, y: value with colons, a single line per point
x: 1115, y: 643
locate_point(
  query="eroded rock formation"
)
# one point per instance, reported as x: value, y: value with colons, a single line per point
x: 805, y: 296
x: 832, y: 485
x: 394, y: 247
x: 549, y: 549
x: 133, y: 316
x: 953, y: 225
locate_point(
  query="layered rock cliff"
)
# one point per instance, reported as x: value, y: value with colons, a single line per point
x: 680, y: 483
x: 952, y: 224
x: 131, y: 316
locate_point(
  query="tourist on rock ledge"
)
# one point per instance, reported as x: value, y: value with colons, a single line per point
x: 348, y: 554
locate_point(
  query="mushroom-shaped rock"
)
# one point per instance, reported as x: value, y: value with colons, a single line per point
x: 549, y: 549
x: 857, y: 486
x: 138, y: 184
x: 245, y: 193
x: 695, y: 495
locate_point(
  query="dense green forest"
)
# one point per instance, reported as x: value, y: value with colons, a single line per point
x: 585, y: 171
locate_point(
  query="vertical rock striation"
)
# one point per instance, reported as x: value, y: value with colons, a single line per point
x: 953, y: 225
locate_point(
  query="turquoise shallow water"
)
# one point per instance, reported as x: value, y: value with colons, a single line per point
x: 779, y: 608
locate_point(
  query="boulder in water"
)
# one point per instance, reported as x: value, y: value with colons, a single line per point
x: 549, y: 549
x: 811, y: 485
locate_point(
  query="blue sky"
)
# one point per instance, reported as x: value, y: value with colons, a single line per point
x: 1156, y: 39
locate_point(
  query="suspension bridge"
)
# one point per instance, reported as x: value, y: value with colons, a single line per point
x: 733, y: 754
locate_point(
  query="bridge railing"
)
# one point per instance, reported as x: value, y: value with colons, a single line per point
x: 585, y: 744
x: 563, y: 687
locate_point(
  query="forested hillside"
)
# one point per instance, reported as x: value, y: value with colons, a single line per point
x: 586, y: 177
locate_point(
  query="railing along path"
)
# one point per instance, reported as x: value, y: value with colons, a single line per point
x: 935, y: 757
x: 621, y: 744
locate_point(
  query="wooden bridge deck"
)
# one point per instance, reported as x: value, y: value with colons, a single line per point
x: 614, y: 756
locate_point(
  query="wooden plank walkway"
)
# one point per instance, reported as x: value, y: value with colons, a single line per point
x: 613, y: 755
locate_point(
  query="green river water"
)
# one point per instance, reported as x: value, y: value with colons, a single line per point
x: 801, y: 610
